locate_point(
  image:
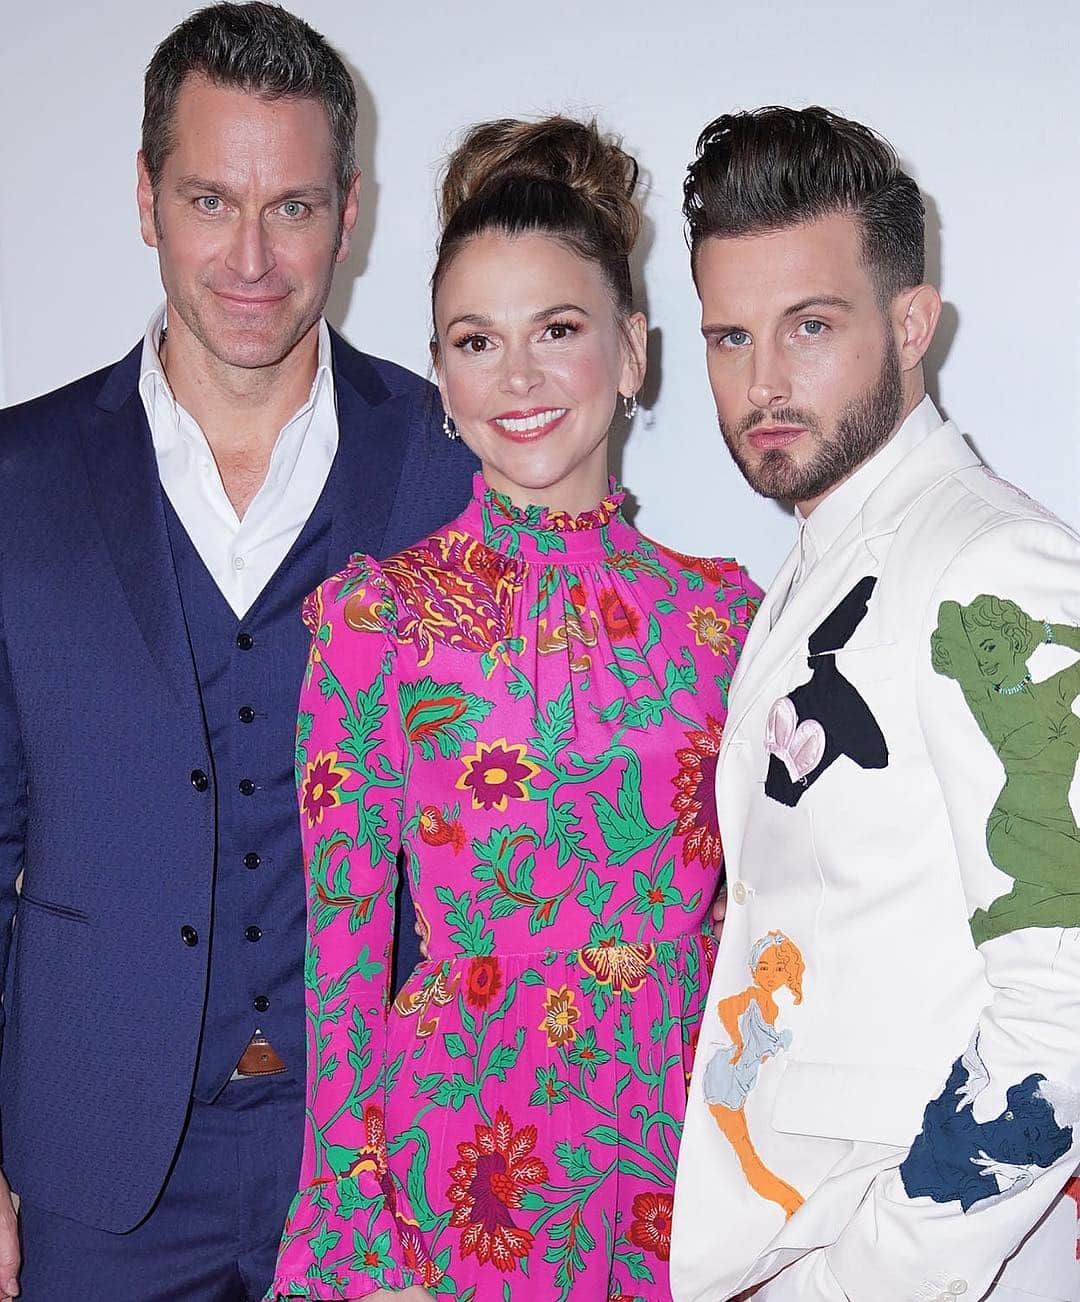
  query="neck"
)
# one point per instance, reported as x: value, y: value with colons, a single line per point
x: 576, y: 493
x: 239, y: 409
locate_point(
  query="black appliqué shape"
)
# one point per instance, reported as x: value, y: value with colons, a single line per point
x: 849, y: 726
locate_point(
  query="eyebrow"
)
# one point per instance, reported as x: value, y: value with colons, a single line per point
x: 485, y: 322
x: 815, y: 300
x: 313, y: 192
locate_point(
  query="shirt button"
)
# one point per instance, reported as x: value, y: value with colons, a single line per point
x: 260, y: 1003
x: 251, y: 860
x: 238, y: 562
x: 199, y: 780
x: 189, y: 936
x: 245, y: 641
x: 739, y: 892
x: 247, y: 714
x: 247, y: 787
x: 253, y: 934
x: 958, y: 1286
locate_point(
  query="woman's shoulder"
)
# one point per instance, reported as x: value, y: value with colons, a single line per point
x: 720, y: 577
x: 358, y: 595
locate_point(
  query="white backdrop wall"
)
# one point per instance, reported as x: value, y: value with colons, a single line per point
x: 979, y: 97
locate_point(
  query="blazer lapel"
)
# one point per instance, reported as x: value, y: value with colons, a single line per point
x: 769, y: 649
x: 373, y: 438
x: 123, y: 476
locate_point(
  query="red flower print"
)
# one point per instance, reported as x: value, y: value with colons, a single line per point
x: 437, y: 829
x: 695, y: 796
x: 620, y: 620
x: 721, y: 571
x: 319, y: 789
x: 617, y: 964
x: 651, y: 1226
x: 496, y: 774
x: 415, y: 1254
x: 560, y: 1014
x: 489, y: 1179
x: 483, y: 981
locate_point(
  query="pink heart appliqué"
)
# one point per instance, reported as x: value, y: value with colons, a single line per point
x: 798, y: 746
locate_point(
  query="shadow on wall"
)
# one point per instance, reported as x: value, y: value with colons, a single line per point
x: 950, y: 317
x: 354, y: 266
x: 649, y: 394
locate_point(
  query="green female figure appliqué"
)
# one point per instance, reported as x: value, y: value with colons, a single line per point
x: 1031, y: 833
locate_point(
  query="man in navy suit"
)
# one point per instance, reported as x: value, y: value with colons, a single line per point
x: 160, y: 523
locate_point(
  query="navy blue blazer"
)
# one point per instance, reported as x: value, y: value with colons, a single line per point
x: 100, y: 730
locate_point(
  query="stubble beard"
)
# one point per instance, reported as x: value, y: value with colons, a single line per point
x: 864, y: 426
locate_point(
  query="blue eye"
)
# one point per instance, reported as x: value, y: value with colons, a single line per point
x: 294, y: 208
x: 209, y: 203
x: 814, y: 328
x: 735, y: 339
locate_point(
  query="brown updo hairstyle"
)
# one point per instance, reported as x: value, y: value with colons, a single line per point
x: 556, y: 177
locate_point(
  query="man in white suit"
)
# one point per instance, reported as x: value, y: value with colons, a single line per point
x: 885, y: 1105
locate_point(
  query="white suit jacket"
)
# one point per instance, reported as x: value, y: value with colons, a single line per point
x: 887, y: 1080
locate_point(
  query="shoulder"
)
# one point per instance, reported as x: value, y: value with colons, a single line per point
x: 357, y: 597
x: 22, y: 425
x: 977, y: 527
x: 722, y: 575
x: 370, y: 374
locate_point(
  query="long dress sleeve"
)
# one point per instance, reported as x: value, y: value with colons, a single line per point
x: 341, y: 1238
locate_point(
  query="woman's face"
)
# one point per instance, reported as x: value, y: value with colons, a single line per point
x: 531, y: 358
x: 995, y: 654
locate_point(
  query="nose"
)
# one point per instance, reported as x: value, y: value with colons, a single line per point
x: 251, y: 255
x: 520, y: 373
x: 769, y: 384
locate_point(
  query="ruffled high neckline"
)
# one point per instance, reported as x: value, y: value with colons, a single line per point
x: 541, y: 532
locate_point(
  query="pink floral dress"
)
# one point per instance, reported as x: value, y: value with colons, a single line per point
x: 529, y: 706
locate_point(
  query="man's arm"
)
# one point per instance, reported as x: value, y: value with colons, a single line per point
x: 999, y: 1142
x: 12, y: 839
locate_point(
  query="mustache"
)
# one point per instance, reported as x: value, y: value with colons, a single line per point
x: 784, y: 416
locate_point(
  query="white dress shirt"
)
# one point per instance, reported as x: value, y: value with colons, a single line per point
x: 241, y: 555
x: 828, y: 520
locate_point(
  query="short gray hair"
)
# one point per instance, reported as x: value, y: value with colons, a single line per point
x: 255, y: 47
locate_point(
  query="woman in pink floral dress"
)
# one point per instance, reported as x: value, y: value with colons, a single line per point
x: 529, y: 704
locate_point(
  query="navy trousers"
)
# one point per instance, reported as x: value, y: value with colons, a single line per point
x: 213, y: 1234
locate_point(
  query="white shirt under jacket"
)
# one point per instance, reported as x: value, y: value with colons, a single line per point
x: 887, y: 1079
x: 241, y: 555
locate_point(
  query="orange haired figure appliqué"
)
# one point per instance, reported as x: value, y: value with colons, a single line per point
x: 750, y: 1019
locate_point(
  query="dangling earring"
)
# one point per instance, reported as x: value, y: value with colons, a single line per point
x: 629, y: 402
x: 449, y: 428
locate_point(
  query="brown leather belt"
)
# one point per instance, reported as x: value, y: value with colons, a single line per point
x: 259, y: 1059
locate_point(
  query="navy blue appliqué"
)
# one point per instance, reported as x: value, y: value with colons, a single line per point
x: 957, y: 1159
x: 825, y: 718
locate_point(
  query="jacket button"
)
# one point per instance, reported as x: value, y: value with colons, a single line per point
x: 253, y: 934
x: 247, y: 787
x: 958, y: 1286
x: 251, y: 860
x: 247, y: 714
x: 245, y: 641
x: 189, y: 936
x: 738, y: 892
x: 260, y: 1003
x: 199, y: 780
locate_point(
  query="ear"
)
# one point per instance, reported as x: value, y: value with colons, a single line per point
x: 348, y: 218
x: 634, y: 331
x: 144, y: 197
x: 439, y: 367
x: 915, y: 314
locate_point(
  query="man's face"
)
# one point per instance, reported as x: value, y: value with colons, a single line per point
x: 802, y: 357
x: 248, y: 222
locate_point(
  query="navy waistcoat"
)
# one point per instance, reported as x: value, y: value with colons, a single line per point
x: 248, y: 682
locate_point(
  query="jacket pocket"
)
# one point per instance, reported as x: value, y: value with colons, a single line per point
x: 48, y: 906
x: 879, y: 1105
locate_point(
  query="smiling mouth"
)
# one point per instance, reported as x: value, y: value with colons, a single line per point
x: 529, y: 422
